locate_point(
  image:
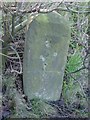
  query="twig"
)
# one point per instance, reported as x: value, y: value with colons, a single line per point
x: 56, y: 106
x: 76, y: 80
x: 8, y: 56
x: 77, y: 70
x: 37, y: 7
x: 12, y: 70
x: 13, y: 24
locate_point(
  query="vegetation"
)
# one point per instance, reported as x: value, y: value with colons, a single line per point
x: 73, y: 101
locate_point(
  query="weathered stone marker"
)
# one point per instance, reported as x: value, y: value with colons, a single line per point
x: 46, y: 48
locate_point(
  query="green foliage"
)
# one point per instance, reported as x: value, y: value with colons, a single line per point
x: 73, y: 92
x: 74, y: 62
x: 9, y: 92
x: 70, y: 86
x: 41, y: 108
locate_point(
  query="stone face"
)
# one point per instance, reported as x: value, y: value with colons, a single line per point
x: 45, y: 54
